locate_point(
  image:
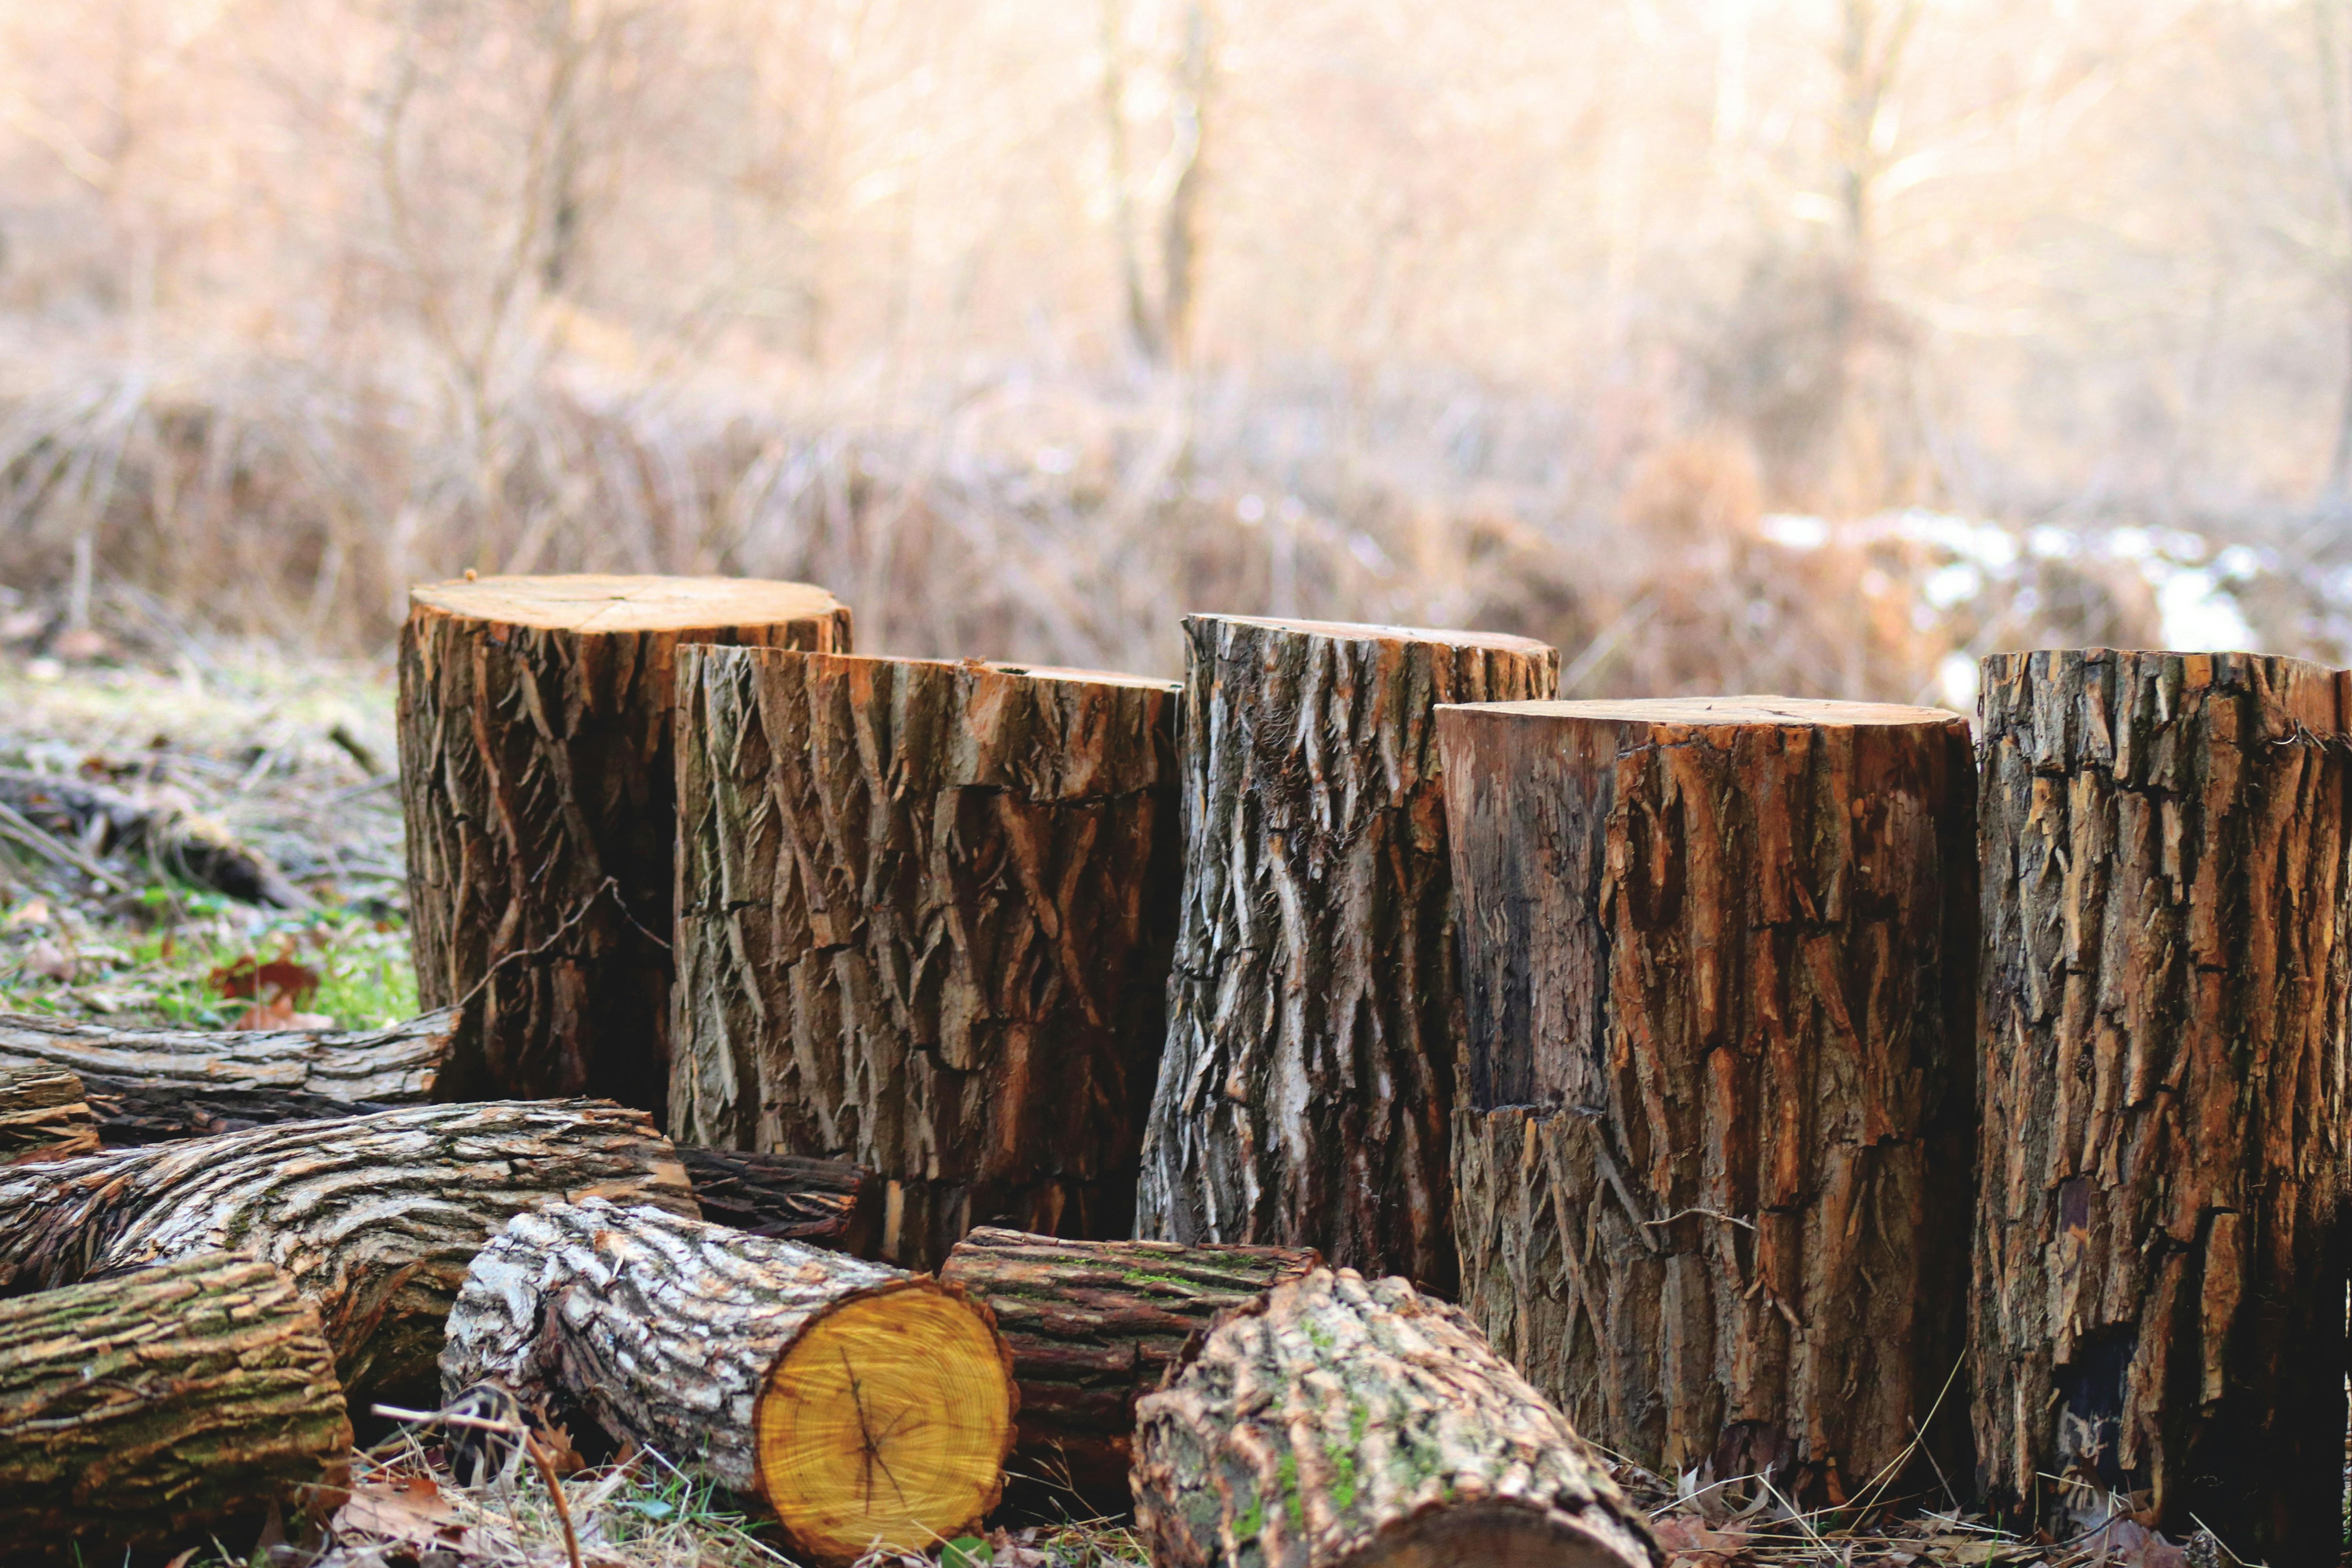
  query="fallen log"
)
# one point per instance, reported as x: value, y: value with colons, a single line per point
x: 1314, y: 1018
x: 868, y: 1407
x: 161, y: 826
x: 2160, y: 1259
x: 1094, y: 1326
x: 1340, y: 1423
x: 147, y: 1084
x: 540, y: 791
x: 830, y: 1204
x: 924, y: 919
x: 373, y: 1217
x: 138, y: 1410
x: 44, y: 1115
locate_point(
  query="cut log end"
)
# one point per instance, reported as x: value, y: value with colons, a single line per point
x: 599, y: 603
x: 887, y: 1422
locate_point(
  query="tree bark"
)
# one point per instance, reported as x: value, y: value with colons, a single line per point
x: 1094, y: 1326
x: 825, y: 1203
x: 1340, y: 1421
x: 44, y: 1115
x: 148, y: 1085
x: 136, y: 1411
x: 538, y: 786
x: 867, y: 1406
x: 924, y: 924
x: 2160, y: 1265
x: 1314, y: 1018
x: 1713, y: 1167
x: 373, y: 1217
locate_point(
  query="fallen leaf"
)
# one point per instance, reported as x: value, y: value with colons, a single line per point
x: 279, y: 1014
x: 31, y: 912
x: 407, y: 1508
x: 50, y: 962
x: 262, y: 980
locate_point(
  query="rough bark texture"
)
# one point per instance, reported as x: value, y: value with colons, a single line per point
x: 44, y: 1115
x: 1338, y: 1421
x: 1712, y: 1169
x: 1095, y: 1325
x: 538, y: 786
x: 688, y: 1339
x: 2160, y: 1263
x: 825, y: 1203
x: 1313, y: 1019
x: 137, y: 1411
x: 147, y: 1084
x: 373, y: 1217
x: 925, y: 912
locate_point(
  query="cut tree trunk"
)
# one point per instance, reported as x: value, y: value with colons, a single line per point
x: 375, y: 1217
x: 44, y: 1115
x: 825, y: 1203
x: 2160, y: 1257
x: 148, y: 1085
x: 1713, y: 1165
x: 540, y: 792
x: 1338, y: 1423
x: 869, y: 1407
x: 924, y: 923
x: 1313, y: 1019
x: 1095, y: 1325
x: 139, y: 1410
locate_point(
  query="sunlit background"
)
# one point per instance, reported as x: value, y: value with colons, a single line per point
x: 1816, y: 346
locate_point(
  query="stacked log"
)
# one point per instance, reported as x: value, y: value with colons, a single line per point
x: 2161, y: 1267
x: 868, y: 1407
x: 137, y: 1411
x: 825, y: 1203
x: 374, y: 1218
x: 1313, y: 1019
x: 1337, y: 1423
x: 538, y: 786
x: 1713, y: 1168
x: 923, y: 925
x: 44, y: 1115
x: 1094, y: 1325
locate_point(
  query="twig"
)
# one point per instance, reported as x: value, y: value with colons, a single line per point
x: 16, y: 825
x: 531, y: 1451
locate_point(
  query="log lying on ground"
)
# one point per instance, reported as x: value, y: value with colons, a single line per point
x: 1095, y: 1325
x: 924, y: 921
x: 138, y: 1410
x: 44, y: 1115
x: 1711, y: 1173
x: 539, y: 788
x: 146, y: 1085
x: 1338, y: 1423
x: 868, y: 1406
x: 2167, y: 932
x: 375, y: 1217
x: 1314, y: 1018
x: 825, y: 1203
x: 161, y: 825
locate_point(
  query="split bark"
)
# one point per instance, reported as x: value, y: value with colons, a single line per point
x: 1340, y: 1422
x: 924, y: 914
x: 869, y: 1407
x: 1314, y: 1018
x: 2160, y: 1257
x: 1713, y: 1169
x: 44, y: 1115
x: 373, y: 1217
x: 1095, y: 1325
x: 538, y: 788
x: 825, y: 1203
x: 135, y: 1411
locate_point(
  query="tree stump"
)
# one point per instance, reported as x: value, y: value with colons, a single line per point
x: 44, y: 1115
x: 136, y: 1411
x: 1338, y: 1423
x: 825, y: 1203
x: 1713, y: 1167
x: 1094, y: 1326
x: 869, y: 1407
x: 924, y: 923
x: 1313, y: 1019
x: 2161, y: 1267
x: 538, y: 786
x: 373, y: 1217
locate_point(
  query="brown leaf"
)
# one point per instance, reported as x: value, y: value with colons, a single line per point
x: 408, y: 1509
x: 276, y: 978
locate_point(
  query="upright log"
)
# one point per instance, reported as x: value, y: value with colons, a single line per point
x: 1713, y: 1168
x: 2160, y: 1257
x: 924, y: 922
x: 44, y: 1115
x: 1313, y: 1019
x: 1095, y: 1325
x: 868, y: 1406
x: 373, y: 1217
x: 538, y: 786
x: 1338, y: 1423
